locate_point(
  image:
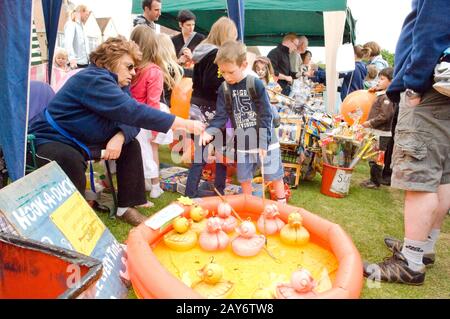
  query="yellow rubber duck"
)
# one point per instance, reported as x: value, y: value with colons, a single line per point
x: 181, y: 238
x: 211, y: 285
x: 198, y: 215
x: 294, y: 233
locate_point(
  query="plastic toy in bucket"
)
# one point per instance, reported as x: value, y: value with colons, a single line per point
x: 335, y: 181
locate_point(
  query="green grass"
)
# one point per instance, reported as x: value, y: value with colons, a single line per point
x: 366, y: 215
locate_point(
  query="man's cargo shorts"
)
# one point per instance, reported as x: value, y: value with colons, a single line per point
x: 421, y: 157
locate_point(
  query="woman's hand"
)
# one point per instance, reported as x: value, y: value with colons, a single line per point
x: 195, y: 127
x: 191, y: 126
x: 187, y: 53
x: 114, y: 147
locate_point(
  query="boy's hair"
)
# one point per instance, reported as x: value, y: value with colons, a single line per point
x: 185, y: 15
x: 359, y: 51
x: 372, y: 72
x: 387, y: 72
x: 231, y: 52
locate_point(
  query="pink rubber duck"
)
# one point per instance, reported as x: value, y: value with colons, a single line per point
x: 213, y: 237
x: 301, y: 286
x: 247, y: 244
x: 268, y: 223
x: 229, y: 223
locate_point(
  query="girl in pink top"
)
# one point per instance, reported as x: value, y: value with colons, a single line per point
x: 60, y: 68
x: 147, y: 87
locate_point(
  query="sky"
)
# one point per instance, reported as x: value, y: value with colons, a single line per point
x: 378, y: 21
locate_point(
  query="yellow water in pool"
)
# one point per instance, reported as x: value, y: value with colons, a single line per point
x: 250, y: 274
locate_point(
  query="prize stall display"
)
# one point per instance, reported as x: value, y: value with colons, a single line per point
x: 303, y: 119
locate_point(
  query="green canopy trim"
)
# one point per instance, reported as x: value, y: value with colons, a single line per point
x: 266, y: 21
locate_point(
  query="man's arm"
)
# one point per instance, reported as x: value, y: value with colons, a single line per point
x: 430, y: 29
x: 274, y: 57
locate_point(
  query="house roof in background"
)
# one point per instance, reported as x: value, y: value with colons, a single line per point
x: 103, y: 23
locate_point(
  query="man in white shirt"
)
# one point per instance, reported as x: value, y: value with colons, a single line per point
x: 75, y: 41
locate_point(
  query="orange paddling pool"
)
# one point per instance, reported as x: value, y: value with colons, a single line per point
x: 158, y: 272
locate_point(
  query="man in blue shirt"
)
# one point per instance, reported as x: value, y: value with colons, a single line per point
x: 421, y: 157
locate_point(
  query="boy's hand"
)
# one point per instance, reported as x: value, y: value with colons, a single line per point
x: 366, y: 124
x: 205, y: 138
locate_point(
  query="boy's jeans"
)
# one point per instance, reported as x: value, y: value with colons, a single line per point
x: 195, y: 173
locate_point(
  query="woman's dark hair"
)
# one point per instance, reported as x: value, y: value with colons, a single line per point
x: 303, y: 55
x: 387, y: 72
x: 185, y: 15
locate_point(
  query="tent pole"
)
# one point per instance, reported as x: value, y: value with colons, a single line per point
x: 334, y: 24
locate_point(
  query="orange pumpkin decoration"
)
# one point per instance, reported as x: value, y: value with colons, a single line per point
x: 357, y: 103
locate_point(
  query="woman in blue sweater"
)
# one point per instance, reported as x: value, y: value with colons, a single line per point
x: 354, y: 80
x: 93, y: 116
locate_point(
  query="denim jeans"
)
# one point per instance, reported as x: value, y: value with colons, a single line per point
x: 195, y: 173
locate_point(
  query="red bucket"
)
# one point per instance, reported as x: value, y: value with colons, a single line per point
x: 335, y: 181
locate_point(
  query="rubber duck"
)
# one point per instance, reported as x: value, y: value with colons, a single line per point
x: 229, y: 223
x: 211, y: 285
x: 198, y: 214
x: 181, y: 238
x: 301, y: 286
x: 294, y: 233
x: 213, y: 237
x: 263, y: 293
x: 247, y: 243
x: 268, y: 223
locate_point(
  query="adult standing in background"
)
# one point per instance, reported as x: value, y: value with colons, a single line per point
x: 279, y: 56
x: 75, y: 41
x: 354, y: 80
x: 188, y: 39
x: 421, y: 156
x: 152, y: 12
x: 206, y: 82
x: 296, y: 57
